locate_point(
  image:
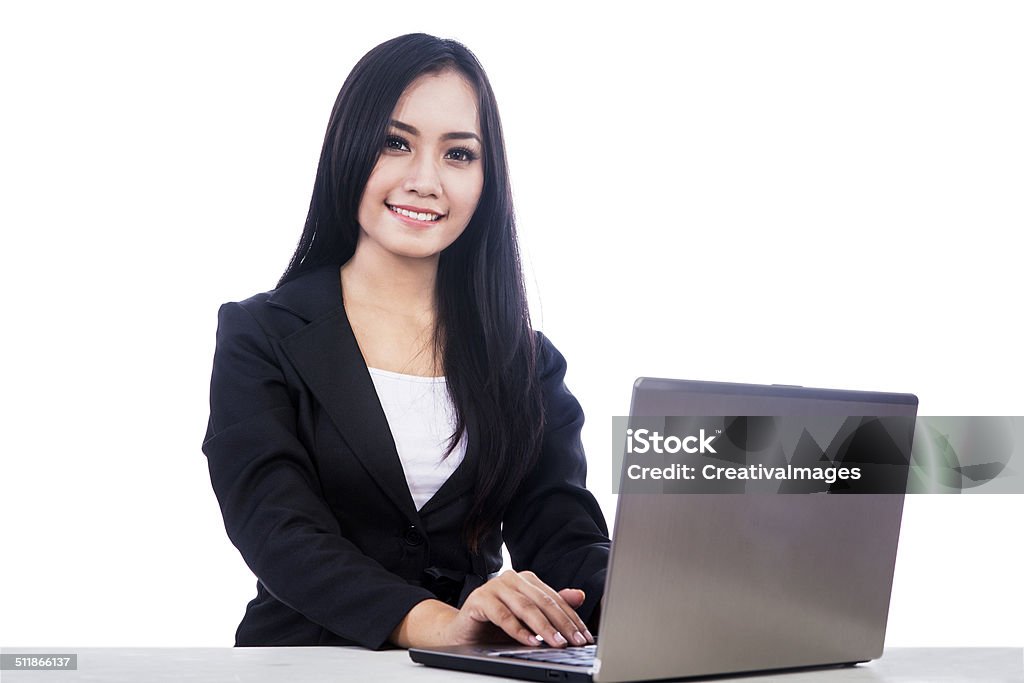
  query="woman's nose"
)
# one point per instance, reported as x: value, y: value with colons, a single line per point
x: 423, y: 178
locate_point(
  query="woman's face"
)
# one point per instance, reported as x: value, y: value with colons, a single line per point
x: 427, y: 182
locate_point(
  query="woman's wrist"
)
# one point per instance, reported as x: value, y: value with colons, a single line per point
x: 424, y: 625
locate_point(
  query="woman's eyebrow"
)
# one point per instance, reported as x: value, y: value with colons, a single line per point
x: 462, y: 136
x: 458, y: 135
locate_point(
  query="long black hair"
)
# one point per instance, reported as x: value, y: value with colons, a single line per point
x: 483, y: 334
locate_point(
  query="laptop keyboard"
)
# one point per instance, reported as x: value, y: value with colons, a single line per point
x: 569, y: 656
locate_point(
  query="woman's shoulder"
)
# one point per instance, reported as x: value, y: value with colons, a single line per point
x: 560, y: 406
x: 290, y: 306
x: 550, y: 361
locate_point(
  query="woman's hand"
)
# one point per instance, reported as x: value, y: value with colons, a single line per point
x: 516, y: 604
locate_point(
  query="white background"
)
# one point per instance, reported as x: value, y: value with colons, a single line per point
x: 826, y: 194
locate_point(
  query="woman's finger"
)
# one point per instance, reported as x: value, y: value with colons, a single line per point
x: 537, y: 611
x: 495, y: 610
x: 573, y: 596
x: 541, y: 608
x: 559, y: 612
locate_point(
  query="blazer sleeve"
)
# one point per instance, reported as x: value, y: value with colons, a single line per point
x: 554, y: 526
x: 270, y: 496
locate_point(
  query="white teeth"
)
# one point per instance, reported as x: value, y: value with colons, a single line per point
x: 417, y: 216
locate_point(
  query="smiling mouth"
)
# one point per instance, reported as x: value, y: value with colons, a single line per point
x: 426, y: 217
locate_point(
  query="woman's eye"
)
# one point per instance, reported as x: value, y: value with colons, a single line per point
x: 461, y: 154
x: 396, y: 143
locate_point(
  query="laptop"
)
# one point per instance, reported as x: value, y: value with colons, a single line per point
x: 711, y: 584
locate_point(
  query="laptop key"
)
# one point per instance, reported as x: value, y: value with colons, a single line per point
x: 572, y: 656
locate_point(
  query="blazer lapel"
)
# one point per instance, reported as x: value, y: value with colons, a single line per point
x: 328, y: 359
x: 460, y: 481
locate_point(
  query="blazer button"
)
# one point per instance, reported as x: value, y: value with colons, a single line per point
x: 413, y: 536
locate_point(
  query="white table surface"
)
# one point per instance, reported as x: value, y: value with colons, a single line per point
x: 345, y: 664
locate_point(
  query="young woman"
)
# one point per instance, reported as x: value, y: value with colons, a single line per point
x: 386, y: 417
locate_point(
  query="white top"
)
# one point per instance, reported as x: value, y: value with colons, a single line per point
x: 422, y: 418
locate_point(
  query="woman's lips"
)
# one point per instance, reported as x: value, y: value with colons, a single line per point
x: 416, y: 214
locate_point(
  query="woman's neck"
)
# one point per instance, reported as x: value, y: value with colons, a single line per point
x: 390, y: 304
x: 398, y: 285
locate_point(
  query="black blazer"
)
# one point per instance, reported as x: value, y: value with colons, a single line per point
x: 315, y: 499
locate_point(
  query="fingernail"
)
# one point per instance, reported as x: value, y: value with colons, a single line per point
x: 579, y: 638
x: 586, y: 632
x: 560, y: 639
x: 536, y: 640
